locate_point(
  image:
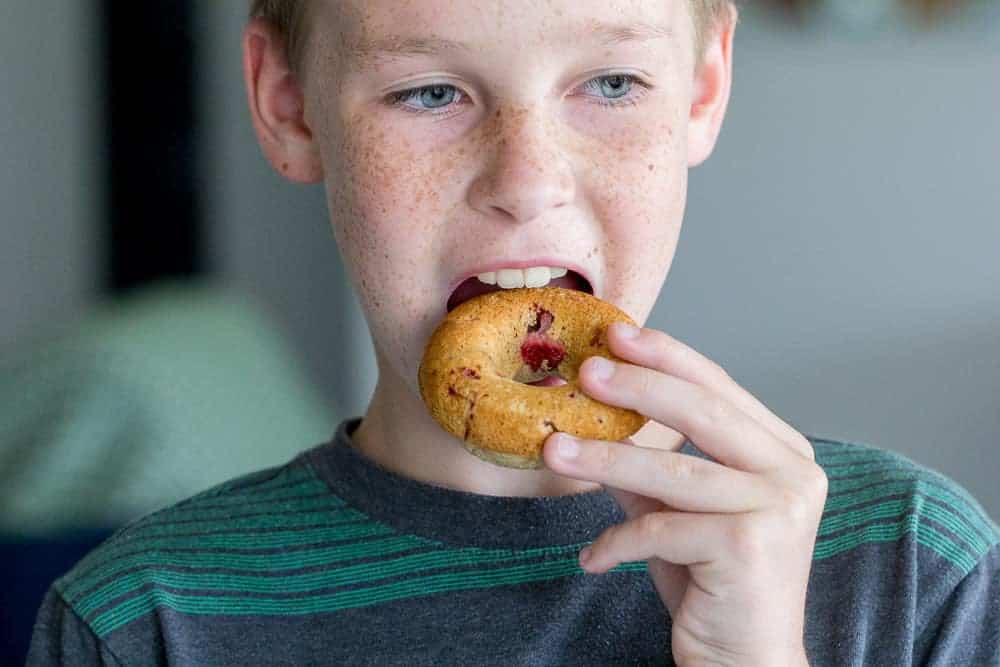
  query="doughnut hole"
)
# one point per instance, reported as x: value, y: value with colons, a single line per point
x: 541, y: 354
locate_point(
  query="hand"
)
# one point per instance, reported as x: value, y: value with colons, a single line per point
x: 729, y: 544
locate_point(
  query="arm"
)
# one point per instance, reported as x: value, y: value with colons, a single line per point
x: 969, y: 629
x: 61, y: 637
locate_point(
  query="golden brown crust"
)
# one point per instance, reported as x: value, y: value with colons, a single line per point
x: 466, y: 375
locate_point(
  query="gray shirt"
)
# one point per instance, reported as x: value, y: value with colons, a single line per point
x: 331, y: 559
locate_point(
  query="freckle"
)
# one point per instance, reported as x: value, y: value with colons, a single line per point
x: 284, y: 166
x: 651, y: 167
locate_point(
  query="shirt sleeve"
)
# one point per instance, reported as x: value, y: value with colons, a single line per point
x: 969, y: 632
x: 60, y: 637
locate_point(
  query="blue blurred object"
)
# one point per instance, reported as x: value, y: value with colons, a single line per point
x: 29, y: 565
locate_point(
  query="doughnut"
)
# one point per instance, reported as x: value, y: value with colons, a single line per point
x: 475, y: 366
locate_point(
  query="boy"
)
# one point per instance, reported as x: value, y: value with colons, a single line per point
x: 461, y: 138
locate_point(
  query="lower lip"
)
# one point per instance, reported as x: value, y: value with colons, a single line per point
x: 550, y: 381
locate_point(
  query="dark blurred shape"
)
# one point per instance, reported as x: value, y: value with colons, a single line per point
x: 36, y: 562
x: 151, y: 160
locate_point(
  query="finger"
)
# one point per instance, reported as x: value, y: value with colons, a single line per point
x: 679, y: 480
x: 679, y: 538
x: 633, y: 504
x: 657, y: 350
x: 715, y: 425
x: 670, y: 580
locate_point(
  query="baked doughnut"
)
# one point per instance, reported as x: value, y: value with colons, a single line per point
x: 473, y: 372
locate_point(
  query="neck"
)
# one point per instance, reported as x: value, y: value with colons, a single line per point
x: 398, y: 433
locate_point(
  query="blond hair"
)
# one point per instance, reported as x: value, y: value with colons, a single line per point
x: 289, y: 18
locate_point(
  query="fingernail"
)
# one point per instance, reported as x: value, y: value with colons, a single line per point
x: 584, y: 555
x: 626, y: 330
x: 601, y: 368
x: 569, y: 447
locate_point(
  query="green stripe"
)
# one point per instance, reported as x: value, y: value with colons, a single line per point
x: 840, y: 444
x: 304, y: 487
x: 471, y: 556
x: 864, y: 468
x: 308, y: 506
x: 890, y: 532
x: 866, y: 456
x: 249, y: 485
x: 897, y: 508
x: 867, y: 459
x: 947, y: 516
x: 931, y: 486
x: 126, y: 541
x: 280, y: 538
x: 184, y: 507
x: 304, y: 582
x: 114, y: 563
x: 269, y: 562
x: 300, y: 583
x: 108, y: 621
x: 302, y: 518
x: 880, y: 465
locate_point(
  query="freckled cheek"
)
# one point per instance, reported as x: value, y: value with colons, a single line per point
x: 388, y: 208
x: 638, y: 193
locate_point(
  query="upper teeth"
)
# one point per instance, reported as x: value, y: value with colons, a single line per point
x: 535, y: 276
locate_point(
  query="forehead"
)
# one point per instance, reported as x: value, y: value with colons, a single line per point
x: 371, y: 32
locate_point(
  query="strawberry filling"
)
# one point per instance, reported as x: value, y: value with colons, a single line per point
x: 539, y: 350
x: 542, y: 352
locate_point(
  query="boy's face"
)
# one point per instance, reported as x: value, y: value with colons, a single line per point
x: 513, y: 157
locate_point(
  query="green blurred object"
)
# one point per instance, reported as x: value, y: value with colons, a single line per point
x: 148, y: 401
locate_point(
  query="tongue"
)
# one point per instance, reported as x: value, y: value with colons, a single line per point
x: 473, y: 287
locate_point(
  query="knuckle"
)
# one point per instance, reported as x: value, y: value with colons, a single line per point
x: 672, y: 352
x: 715, y: 411
x: 804, y: 502
x: 606, y: 458
x: 648, y: 527
x: 796, y: 508
x: 802, y: 445
x: 817, y: 482
x: 645, y: 382
x: 748, y: 539
x: 676, y: 467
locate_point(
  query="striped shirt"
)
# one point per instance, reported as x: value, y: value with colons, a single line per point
x: 331, y: 559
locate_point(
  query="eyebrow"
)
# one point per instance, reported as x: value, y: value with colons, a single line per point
x: 390, y: 46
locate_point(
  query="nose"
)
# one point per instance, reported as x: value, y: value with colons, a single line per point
x: 527, y: 172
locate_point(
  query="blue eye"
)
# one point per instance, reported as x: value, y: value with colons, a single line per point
x: 615, y: 83
x: 615, y: 88
x: 433, y: 96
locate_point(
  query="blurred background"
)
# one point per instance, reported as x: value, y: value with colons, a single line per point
x: 173, y: 313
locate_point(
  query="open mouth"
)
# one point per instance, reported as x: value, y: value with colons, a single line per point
x: 473, y: 287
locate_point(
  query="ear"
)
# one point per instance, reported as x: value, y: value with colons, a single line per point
x: 712, y: 82
x: 277, y: 105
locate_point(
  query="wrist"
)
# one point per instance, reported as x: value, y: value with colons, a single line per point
x: 785, y: 659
